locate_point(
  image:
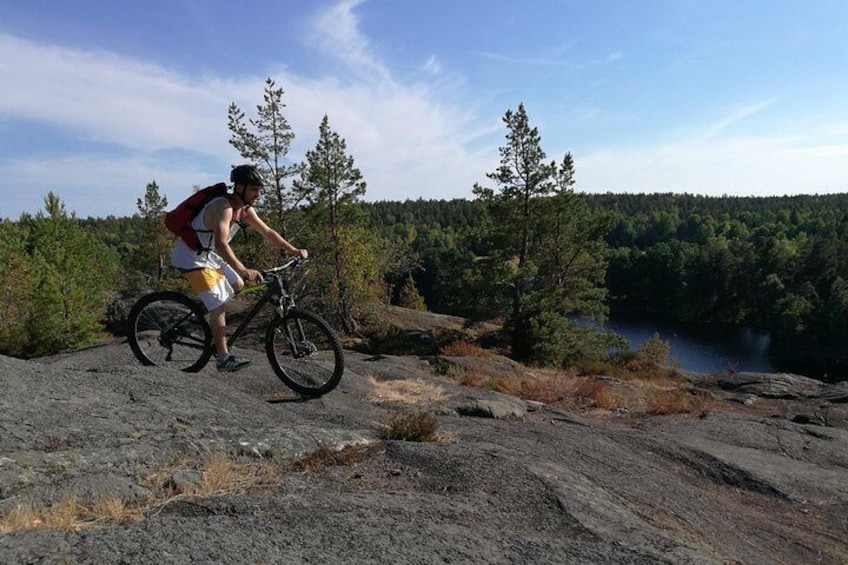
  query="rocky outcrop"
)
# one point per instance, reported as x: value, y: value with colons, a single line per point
x: 508, y: 482
x: 793, y: 397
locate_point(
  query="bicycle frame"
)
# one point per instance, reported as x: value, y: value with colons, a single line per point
x: 275, y: 292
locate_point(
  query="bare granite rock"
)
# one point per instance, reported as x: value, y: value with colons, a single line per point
x: 509, y: 482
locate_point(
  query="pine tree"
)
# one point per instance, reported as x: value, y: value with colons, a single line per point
x: 332, y: 186
x: 155, y: 243
x: 265, y: 143
x: 535, y: 226
x: 70, y: 275
x: 17, y: 288
x: 410, y: 297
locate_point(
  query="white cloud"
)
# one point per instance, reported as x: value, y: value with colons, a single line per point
x: 535, y: 61
x: 110, y: 98
x: 95, y: 185
x: 822, y: 151
x: 432, y: 65
x: 407, y: 143
x: 737, y: 116
x: 337, y: 35
x: 758, y: 166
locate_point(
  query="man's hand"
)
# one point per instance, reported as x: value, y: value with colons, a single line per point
x: 252, y: 275
x: 302, y: 253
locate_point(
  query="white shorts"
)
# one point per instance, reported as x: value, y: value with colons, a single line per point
x: 213, y: 286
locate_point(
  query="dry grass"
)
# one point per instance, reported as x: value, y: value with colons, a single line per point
x: 467, y: 377
x: 597, y: 393
x: 418, y: 426
x: 330, y: 457
x: 70, y: 515
x: 407, y: 392
x: 463, y: 349
x: 218, y: 475
x: 641, y: 385
x: 678, y: 401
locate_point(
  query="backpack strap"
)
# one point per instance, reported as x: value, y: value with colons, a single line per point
x: 236, y: 219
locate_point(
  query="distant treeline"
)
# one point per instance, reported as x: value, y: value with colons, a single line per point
x: 777, y: 263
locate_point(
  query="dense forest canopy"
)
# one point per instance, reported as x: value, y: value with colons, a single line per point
x: 778, y: 263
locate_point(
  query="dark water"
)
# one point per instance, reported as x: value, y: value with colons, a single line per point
x: 701, y: 349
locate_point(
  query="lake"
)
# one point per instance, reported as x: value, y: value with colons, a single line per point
x: 709, y: 349
x: 701, y: 349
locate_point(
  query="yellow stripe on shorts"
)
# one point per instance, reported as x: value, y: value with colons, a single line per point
x: 202, y: 280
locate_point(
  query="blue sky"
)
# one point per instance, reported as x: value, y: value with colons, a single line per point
x: 738, y: 97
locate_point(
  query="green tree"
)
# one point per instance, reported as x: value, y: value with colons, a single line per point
x: 155, y: 243
x: 536, y: 226
x: 410, y: 297
x: 522, y: 177
x: 332, y: 185
x: 71, y: 278
x: 571, y: 249
x: 835, y: 312
x: 17, y: 288
x: 265, y: 141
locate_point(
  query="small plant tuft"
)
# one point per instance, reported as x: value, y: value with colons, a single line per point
x: 462, y: 349
x: 417, y: 426
x: 330, y: 457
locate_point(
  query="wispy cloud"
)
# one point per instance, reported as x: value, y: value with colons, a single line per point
x: 522, y: 60
x: 821, y: 151
x: 614, y: 56
x: 338, y: 35
x: 736, y: 116
x: 433, y: 66
x: 105, y: 96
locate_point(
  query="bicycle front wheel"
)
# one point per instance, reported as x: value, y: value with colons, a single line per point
x: 305, y: 353
x: 168, y: 329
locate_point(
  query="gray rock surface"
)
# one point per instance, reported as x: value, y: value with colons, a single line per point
x: 510, y: 482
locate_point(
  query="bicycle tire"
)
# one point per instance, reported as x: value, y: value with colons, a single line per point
x: 305, y: 353
x: 169, y: 329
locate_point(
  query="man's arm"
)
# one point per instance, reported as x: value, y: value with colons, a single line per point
x: 272, y: 236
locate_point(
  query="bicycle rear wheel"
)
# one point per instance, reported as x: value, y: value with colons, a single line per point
x: 305, y: 353
x: 168, y: 329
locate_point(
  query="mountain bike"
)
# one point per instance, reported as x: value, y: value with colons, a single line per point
x: 169, y: 329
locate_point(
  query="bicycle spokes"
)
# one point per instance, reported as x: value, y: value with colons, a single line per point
x: 169, y: 329
x: 305, y: 353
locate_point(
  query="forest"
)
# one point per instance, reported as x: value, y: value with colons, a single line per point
x: 774, y: 263
x: 528, y: 252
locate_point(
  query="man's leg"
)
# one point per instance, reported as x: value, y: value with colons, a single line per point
x: 218, y: 323
x: 213, y: 287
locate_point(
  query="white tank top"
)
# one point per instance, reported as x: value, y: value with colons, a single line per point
x: 185, y: 258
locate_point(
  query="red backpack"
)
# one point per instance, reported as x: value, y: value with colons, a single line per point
x: 178, y: 221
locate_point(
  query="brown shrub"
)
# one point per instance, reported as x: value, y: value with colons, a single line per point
x: 411, y: 427
x: 550, y: 388
x: 463, y: 349
x: 677, y: 401
x: 596, y: 392
x: 468, y: 377
x: 330, y: 457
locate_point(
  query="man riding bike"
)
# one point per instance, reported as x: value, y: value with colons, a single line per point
x: 215, y: 272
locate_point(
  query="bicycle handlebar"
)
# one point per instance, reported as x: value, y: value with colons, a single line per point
x: 293, y: 262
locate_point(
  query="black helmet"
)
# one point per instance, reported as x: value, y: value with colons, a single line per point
x: 246, y: 174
